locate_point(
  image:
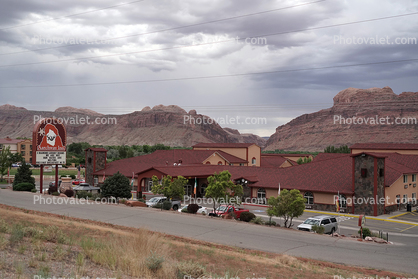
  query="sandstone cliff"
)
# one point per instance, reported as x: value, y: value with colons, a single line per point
x: 161, y: 124
x: 315, y: 131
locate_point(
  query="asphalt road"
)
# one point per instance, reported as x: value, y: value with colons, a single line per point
x: 402, y: 256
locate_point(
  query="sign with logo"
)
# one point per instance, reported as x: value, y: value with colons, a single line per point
x: 49, y: 142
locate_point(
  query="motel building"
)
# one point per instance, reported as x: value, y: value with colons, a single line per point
x: 374, y: 179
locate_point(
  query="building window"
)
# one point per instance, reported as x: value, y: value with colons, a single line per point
x: 261, y: 193
x: 30, y: 146
x: 203, y: 189
x: 23, y: 147
x: 308, y: 198
x: 1, y: 146
x: 398, y: 199
x: 381, y: 172
x: 220, y: 163
x: 414, y: 197
x: 22, y: 153
x: 405, y: 178
x: 343, y: 201
x: 405, y: 198
x: 207, y: 163
x: 414, y: 178
x: 363, y: 172
x: 89, y: 160
x: 253, y: 161
x: 241, y: 164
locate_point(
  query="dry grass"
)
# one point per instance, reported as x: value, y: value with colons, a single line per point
x: 45, y: 244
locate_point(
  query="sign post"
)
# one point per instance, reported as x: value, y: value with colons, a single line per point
x: 49, y: 145
x: 361, y: 223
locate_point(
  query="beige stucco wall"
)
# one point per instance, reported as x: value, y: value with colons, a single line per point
x: 398, y: 188
x: 286, y: 165
x: 254, y: 151
x: 214, y: 159
x: 27, y: 151
x: 400, y: 151
x: 13, y: 147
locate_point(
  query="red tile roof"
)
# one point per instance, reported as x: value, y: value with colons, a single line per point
x: 10, y: 141
x: 222, y: 145
x: 327, y: 156
x: 325, y: 176
x: 163, y: 157
x: 272, y: 161
x: 385, y: 146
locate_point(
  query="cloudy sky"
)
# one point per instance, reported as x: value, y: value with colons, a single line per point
x: 192, y: 53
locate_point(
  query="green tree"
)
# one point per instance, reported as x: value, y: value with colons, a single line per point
x: 273, y: 209
x: 333, y: 149
x: 169, y: 187
x: 291, y: 204
x: 5, y: 163
x: 24, y: 175
x: 117, y: 186
x: 220, y: 186
x: 305, y: 160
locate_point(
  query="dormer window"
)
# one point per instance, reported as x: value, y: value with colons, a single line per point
x: 254, y: 161
x: 363, y: 172
x: 405, y: 178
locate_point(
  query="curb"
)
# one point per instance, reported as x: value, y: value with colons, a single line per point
x: 389, y: 219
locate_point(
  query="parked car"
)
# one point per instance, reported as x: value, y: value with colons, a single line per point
x: 201, y: 210
x: 328, y: 222
x: 78, y: 181
x: 159, y: 200
x: 227, y: 209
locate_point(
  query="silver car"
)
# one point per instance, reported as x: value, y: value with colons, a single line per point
x: 328, y: 222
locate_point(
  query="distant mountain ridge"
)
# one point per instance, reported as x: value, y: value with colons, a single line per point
x: 160, y: 124
x: 315, y: 131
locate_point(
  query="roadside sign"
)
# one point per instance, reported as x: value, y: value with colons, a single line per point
x: 49, y: 142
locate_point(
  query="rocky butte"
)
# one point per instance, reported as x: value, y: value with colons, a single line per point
x: 160, y: 124
x: 315, y: 131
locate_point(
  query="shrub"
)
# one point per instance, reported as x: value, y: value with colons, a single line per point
x: 167, y: 205
x: 154, y: 262
x: 69, y: 193
x: 257, y: 220
x: 96, y: 196
x: 24, y: 186
x: 33, y: 190
x: 84, y: 195
x: 72, y: 176
x: 158, y: 205
x: 318, y: 229
x: 366, y: 232
x: 270, y: 223
x: 247, y: 216
x: 144, y: 197
x: 52, y: 189
x: 122, y: 201
x: 24, y: 174
x: 185, y: 210
x: 117, y: 186
x: 16, y: 235
x: 192, y: 208
x: 141, y: 200
x: 55, y: 194
x: 190, y: 268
